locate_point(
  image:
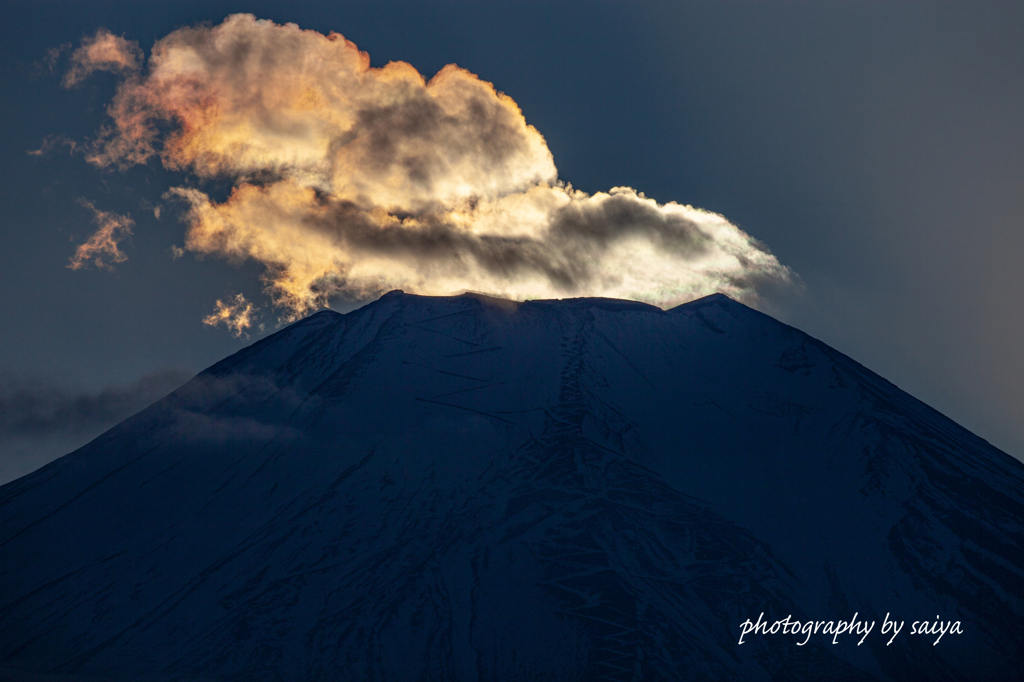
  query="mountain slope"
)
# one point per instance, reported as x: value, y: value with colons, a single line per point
x: 473, y: 489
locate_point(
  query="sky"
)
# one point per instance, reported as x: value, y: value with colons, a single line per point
x: 854, y: 169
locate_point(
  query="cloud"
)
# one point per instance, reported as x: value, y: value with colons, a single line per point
x: 38, y: 409
x: 51, y: 142
x: 101, y: 248
x: 352, y: 180
x: 235, y: 408
x: 236, y: 314
x: 53, y: 56
x: 102, y: 51
x: 42, y: 420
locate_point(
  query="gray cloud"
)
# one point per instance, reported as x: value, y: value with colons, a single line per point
x: 33, y: 407
x: 41, y: 420
x: 579, y: 235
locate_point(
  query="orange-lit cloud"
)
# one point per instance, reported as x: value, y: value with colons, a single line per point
x: 102, y: 249
x: 51, y: 142
x: 353, y: 180
x: 102, y: 51
x: 236, y: 314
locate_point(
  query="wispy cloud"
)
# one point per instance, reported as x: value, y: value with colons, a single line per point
x: 41, y: 420
x: 51, y: 142
x: 38, y: 408
x: 101, y: 249
x: 102, y: 51
x: 236, y: 314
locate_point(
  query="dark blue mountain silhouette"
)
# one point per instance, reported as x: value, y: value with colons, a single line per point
x: 468, y: 488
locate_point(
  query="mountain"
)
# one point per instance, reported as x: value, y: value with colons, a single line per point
x: 468, y: 488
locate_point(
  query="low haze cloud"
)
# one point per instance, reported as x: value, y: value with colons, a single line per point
x: 41, y: 420
x: 33, y: 407
x: 101, y: 249
x: 353, y: 180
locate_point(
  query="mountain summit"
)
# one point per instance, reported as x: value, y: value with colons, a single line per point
x: 468, y: 488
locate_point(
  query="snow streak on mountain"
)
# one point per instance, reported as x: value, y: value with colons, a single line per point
x: 468, y: 488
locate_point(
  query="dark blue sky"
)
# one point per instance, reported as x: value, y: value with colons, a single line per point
x: 875, y: 147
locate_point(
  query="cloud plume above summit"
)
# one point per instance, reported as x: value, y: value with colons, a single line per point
x: 352, y: 180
